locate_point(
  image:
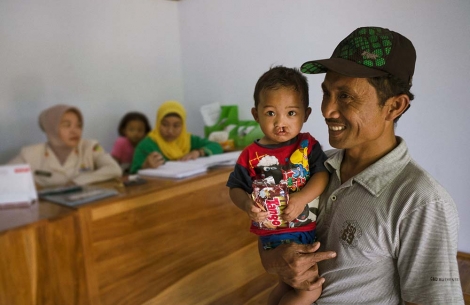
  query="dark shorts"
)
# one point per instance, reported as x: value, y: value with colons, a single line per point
x: 272, y: 241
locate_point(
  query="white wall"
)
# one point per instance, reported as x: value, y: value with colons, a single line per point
x: 107, y: 57
x: 227, y: 45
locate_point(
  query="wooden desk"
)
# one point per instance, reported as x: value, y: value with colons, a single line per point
x: 163, y: 242
x: 40, y: 256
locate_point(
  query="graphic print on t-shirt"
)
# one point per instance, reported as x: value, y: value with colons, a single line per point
x: 350, y: 234
x: 294, y: 170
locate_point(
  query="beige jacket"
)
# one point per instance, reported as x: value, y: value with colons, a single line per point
x: 88, y: 163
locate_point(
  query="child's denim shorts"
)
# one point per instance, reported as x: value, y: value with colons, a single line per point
x: 274, y: 240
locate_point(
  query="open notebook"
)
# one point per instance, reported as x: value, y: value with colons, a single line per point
x: 183, y: 169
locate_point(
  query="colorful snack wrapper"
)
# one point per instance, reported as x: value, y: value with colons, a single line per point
x: 273, y: 198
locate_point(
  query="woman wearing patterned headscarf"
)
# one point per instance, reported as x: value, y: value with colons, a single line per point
x: 170, y: 140
x: 66, y: 158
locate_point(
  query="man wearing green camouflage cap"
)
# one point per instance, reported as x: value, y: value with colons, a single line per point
x: 387, y: 229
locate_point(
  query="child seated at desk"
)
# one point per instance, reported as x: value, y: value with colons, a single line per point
x: 66, y: 158
x: 169, y: 140
x: 132, y: 129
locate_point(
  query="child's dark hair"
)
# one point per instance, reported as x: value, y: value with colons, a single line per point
x: 133, y: 116
x: 282, y: 77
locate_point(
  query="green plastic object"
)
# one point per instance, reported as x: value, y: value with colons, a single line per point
x: 247, y: 132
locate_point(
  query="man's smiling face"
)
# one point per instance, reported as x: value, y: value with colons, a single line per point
x: 352, y: 112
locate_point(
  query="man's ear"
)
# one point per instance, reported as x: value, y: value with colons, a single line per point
x: 397, y: 105
x: 308, y: 111
x: 254, y: 112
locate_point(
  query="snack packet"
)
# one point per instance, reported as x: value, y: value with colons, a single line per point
x: 273, y: 198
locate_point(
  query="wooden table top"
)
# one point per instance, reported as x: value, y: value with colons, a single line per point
x: 12, y: 218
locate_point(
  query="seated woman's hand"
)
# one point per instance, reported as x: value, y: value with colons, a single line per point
x: 153, y: 160
x: 194, y: 154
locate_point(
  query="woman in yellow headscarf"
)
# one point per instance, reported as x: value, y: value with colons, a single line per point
x: 170, y: 140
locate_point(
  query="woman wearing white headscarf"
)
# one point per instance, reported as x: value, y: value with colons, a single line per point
x: 66, y: 158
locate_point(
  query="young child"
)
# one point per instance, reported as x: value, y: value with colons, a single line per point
x: 281, y: 108
x: 66, y: 158
x: 132, y: 129
x: 170, y: 140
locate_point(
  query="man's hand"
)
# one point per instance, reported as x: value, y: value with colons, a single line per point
x: 295, y: 264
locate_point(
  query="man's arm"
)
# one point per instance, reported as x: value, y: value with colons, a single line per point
x: 427, y: 261
x: 295, y: 264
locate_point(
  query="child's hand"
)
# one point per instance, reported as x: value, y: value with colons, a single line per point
x: 254, y: 212
x: 294, y: 208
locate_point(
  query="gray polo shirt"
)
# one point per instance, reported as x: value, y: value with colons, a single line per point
x: 394, y: 229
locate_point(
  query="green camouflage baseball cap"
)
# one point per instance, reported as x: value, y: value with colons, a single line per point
x: 369, y: 52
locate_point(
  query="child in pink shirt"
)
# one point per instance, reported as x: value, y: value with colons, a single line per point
x: 133, y: 127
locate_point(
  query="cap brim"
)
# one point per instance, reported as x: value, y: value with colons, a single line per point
x: 341, y: 66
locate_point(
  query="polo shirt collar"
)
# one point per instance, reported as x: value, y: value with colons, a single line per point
x: 379, y: 175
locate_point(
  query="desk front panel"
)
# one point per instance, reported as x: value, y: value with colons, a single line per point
x: 42, y: 263
x: 185, y: 243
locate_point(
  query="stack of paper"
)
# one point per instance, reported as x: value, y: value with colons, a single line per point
x: 183, y: 169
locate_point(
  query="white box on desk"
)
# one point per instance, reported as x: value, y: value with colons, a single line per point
x: 16, y: 186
